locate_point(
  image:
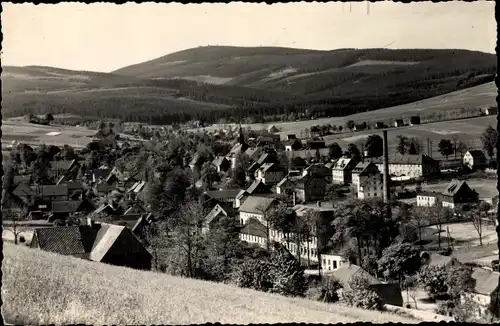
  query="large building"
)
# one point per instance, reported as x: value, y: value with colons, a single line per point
x: 412, y: 166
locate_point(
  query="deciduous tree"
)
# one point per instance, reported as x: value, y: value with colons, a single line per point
x: 374, y: 146
x: 402, y: 144
x: 489, y: 140
x: 445, y: 147
x: 399, y: 260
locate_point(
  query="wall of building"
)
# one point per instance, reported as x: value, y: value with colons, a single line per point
x: 244, y: 217
x: 426, y: 201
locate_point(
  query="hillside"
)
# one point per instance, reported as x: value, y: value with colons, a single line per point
x: 264, y: 81
x: 43, y: 288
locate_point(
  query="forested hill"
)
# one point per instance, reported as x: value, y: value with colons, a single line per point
x: 261, y: 81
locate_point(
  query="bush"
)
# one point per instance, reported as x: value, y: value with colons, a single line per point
x: 328, y: 291
x: 358, y: 294
x: 253, y: 274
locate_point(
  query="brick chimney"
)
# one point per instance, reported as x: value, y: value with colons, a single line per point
x: 386, y: 168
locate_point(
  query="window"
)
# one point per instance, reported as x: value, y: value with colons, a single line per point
x: 329, y: 262
x: 324, y: 261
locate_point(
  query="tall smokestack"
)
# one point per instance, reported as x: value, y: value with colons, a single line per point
x: 386, y: 168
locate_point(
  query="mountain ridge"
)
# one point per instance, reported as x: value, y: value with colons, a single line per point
x: 259, y: 81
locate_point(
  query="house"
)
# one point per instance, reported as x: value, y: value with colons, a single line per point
x: 308, y: 154
x: 263, y: 141
x: 255, y: 207
x: 363, y: 169
x: 136, y: 191
x: 24, y: 192
x: 435, y: 259
x: 360, y: 126
x: 310, y: 188
x: 427, y: 199
x: 61, y: 210
x: 475, y: 159
x: 216, y: 213
x: 105, y: 243
x: 270, y: 173
x: 485, y: 289
x: 99, y: 174
x: 414, y: 120
x: 223, y: 196
x: 390, y: 293
x: 68, y: 168
x: 254, y: 153
x: 331, y: 262
x: 221, y: 163
x: 297, y: 164
x: 51, y: 192
x: 491, y: 111
x: 316, y: 143
x: 342, y: 171
x: 318, y: 170
x: 254, y: 232
x: 264, y: 158
x: 371, y: 186
x: 457, y: 194
x: 272, y: 129
x: 21, y: 179
x: 398, y: 123
x: 412, y: 166
x: 293, y: 144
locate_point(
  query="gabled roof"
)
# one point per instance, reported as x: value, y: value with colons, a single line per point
x: 61, y: 165
x: 23, y: 190
x: 135, y: 209
x: 226, y: 210
x: 306, y: 181
x: 223, y: 194
x: 309, y: 153
x: 345, y: 273
x: 342, y: 163
x: 455, y: 186
x: 319, y: 169
x: 255, y: 228
x: 252, y: 151
x: 486, y: 281
x: 106, y: 237
x: 103, y: 207
x: 52, y: 190
x: 256, y: 205
x: 101, y: 173
x: 361, y: 166
x: 67, y: 240
x: 263, y: 158
x: 271, y: 167
x: 219, y: 160
x: 477, y: 154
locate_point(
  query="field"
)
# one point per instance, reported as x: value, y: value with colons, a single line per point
x: 43, y: 288
x: 465, y: 235
x: 32, y: 134
x: 486, y: 188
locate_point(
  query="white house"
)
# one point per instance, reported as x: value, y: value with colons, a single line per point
x: 486, y: 286
x: 413, y: 166
x: 475, y: 159
x: 255, y: 207
x: 331, y: 262
x: 427, y: 199
x: 254, y: 232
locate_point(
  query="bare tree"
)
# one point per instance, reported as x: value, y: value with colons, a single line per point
x: 478, y: 216
x: 439, y: 215
x: 16, y: 227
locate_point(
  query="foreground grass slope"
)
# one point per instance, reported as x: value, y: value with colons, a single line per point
x: 266, y: 81
x: 42, y: 288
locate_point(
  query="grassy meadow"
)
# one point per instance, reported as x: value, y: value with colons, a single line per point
x: 42, y: 288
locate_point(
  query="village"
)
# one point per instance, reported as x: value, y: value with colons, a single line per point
x: 95, y: 203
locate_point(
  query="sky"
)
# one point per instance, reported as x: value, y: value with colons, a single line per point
x: 105, y: 37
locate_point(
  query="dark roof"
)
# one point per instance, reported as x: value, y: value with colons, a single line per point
x: 373, y: 177
x: 309, y: 153
x: 18, y: 179
x: 306, y: 181
x: 477, y: 154
x: 255, y: 228
x: 23, y: 190
x: 67, y: 240
x: 52, y: 190
x: 227, y: 210
x: 61, y: 165
x: 455, y: 186
x: 256, y: 205
x: 223, y: 194
x: 101, y: 173
x: 319, y: 169
x: 66, y: 206
x: 272, y: 167
x: 361, y: 166
x: 74, y: 185
x: 136, y: 208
